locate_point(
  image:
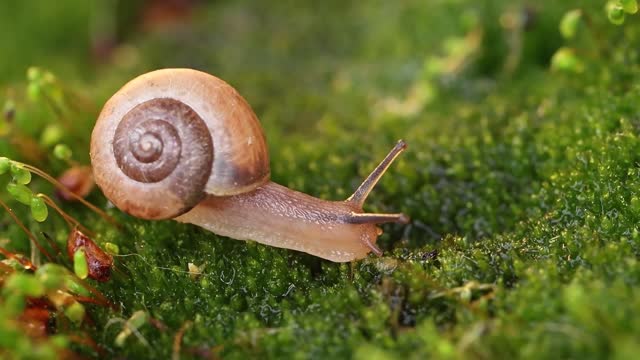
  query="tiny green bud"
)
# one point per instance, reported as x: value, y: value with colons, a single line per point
x: 5, y: 164
x: 629, y: 6
x: 20, y: 174
x: 565, y: 60
x: 24, y: 284
x: 569, y: 23
x: 204, y: 283
x: 112, y: 248
x: 75, y: 312
x: 62, y: 152
x: 39, y: 209
x: 51, y: 135
x: 80, y: 266
x: 20, y: 192
x: 34, y: 73
x: 615, y: 13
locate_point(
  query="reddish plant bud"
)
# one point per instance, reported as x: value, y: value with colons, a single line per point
x: 79, y: 180
x: 38, y: 318
x: 38, y: 321
x: 98, y: 261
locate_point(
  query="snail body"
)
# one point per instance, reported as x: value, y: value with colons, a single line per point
x: 183, y: 144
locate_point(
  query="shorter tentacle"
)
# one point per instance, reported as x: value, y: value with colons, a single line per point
x: 371, y: 218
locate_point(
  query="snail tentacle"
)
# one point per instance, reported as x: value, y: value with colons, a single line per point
x: 375, y: 218
x: 362, y: 192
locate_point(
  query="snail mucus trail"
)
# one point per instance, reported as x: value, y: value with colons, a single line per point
x: 183, y: 144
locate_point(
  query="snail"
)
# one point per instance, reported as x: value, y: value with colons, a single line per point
x: 182, y: 144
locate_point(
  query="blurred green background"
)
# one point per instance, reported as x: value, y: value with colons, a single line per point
x: 522, y: 175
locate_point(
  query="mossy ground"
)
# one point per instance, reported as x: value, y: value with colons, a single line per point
x: 523, y: 184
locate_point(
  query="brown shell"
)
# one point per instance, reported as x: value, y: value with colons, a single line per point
x: 165, y: 188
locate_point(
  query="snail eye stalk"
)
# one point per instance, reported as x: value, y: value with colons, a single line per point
x: 362, y: 192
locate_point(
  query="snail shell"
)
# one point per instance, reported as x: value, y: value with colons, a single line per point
x: 182, y: 144
x: 172, y: 136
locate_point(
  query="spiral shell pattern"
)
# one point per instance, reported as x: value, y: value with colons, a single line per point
x: 170, y: 137
x: 152, y: 138
x: 164, y: 144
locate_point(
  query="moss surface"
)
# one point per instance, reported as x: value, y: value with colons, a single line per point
x: 523, y: 185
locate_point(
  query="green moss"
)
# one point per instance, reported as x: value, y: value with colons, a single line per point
x: 523, y: 185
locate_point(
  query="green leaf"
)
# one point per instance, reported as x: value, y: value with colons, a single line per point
x: 39, y: 209
x: 565, y: 60
x: 80, y: 265
x: 615, y: 13
x: 629, y: 6
x: 20, y: 192
x: 20, y: 174
x: 569, y: 23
